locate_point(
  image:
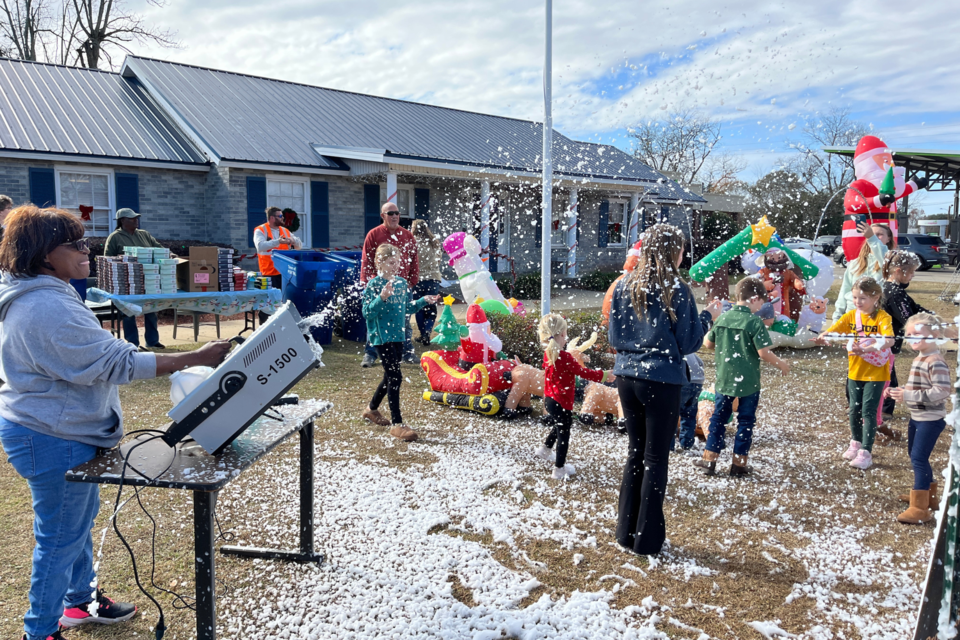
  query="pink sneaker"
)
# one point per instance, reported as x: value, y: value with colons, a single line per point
x: 852, y: 450
x: 864, y: 460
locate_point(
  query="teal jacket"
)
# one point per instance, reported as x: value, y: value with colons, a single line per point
x: 386, y: 320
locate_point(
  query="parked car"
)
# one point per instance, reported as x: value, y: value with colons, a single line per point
x: 926, y: 247
x: 952, y: 250
x: 827, y: 244
x: 840, y: 257
x: 798, y: 243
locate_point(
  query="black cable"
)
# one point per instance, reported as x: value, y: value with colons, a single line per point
x: 180, y: 601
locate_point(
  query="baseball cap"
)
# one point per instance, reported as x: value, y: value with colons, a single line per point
x: 127, y: 213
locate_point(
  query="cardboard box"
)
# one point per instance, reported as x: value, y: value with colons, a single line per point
x: 200, y: 272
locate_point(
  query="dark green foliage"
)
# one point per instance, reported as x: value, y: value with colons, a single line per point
x: 519, y: 335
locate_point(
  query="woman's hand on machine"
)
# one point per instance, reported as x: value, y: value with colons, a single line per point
x: 213, y: 353
x: 209, y: 355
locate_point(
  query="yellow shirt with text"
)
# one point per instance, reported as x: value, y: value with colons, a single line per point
x: 878, y: 324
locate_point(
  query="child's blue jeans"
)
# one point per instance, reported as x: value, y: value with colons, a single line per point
x: 746, y: 419
x: 921, y: 437
x: 64, y: 512
x: 689, y: 399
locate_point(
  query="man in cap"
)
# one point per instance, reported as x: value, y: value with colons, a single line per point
x: 129, y: 234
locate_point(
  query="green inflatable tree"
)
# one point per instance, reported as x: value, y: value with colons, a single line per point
x: 448, y: 329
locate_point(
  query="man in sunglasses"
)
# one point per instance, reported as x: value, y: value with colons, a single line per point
x: 267, y: 237
x: 390, y: 232
x: 129, y: 234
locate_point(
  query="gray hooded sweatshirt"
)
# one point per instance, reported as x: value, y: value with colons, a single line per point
x: 61, y: 368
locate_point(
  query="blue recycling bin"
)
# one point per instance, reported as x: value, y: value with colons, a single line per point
x: 351, y: 308
x: 308, y: 279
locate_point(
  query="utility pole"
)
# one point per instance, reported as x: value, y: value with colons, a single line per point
x: 547, y: 197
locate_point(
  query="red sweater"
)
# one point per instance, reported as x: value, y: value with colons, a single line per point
x: 559, y: 379
x: 401, y: 239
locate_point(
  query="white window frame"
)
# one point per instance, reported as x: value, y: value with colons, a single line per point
x: 411, y: 214
x: 111, y: 191
x: 624, y: 222
x: 304, y: 232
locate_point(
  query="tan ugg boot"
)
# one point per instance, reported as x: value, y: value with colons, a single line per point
x: 739, y: 468
x: 934, y: 497
x: 708, y: 462
x: 918, y: 512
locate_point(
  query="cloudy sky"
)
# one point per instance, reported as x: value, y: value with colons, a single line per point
x: 760, y: 67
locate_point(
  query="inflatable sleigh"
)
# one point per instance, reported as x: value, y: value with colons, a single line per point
x: 483, y: 388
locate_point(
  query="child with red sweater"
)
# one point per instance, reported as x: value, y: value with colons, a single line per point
x: 560, y: 370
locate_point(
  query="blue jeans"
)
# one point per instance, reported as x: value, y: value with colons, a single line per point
x: 64, y: 512
x: 371, y: 351
x: 689, y: 398
x: 746, y: 419
x: 132, y: 334
x: 428, y: 315
x: 921, y: 437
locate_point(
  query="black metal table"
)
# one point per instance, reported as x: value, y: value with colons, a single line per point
x: 192, y: 469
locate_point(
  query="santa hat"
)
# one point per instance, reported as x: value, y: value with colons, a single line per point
x: 475, y: 314
x: 868, y: 147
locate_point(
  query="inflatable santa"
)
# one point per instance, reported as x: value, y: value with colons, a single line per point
x: 480, y: 345
x: 869, y: 195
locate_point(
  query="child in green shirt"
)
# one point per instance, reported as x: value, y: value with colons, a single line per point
x: 741, y: 342
x: 386, y: 305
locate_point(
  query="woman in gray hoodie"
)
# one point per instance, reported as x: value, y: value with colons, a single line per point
x: 59, y: 405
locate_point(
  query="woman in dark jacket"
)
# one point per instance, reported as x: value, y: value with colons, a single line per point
x: 653, y: 324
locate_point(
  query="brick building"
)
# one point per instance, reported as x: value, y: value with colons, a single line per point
x: 201, y: 153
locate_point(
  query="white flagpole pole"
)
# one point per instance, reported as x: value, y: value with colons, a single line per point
x: 547, y: 199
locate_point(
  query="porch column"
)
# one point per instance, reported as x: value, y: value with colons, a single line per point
x: 572, y: 234
x: 634, y: 220
x: 392, y: 187
x: 485, y: 215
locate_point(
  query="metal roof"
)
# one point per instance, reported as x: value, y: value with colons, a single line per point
x: 252, y: 119
x: 942, y: 168
x: 52, y: 109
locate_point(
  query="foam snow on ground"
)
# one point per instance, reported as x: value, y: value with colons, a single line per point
x: 401, y: 538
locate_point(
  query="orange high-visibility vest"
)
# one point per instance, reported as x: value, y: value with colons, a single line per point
x: 265, y: 259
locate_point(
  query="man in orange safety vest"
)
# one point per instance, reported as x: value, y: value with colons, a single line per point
x: 266, y: 238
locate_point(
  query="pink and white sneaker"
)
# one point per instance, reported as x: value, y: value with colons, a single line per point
x: 852, y: 450
x: 864, y: 460
x: 106, y: 611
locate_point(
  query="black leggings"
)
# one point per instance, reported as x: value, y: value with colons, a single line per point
x: 562, y: 420
x: 390, y: 354
x: 651, y: 410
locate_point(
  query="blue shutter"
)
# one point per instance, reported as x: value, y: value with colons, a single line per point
x: 603, y: 232
x: 539, y: 239
x: 320, y: 214
x: 494, y: 242
x: 256, y: 204
x: 664, y: 213
x: 43, y: 188
x: 128, y: 191
x: 371, y: 207
x: 421, y: 204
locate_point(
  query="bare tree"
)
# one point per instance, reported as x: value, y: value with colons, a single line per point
x: 682, y: 145
x: 22, y: 28
x: 824, y: 172
x: 720, y: 174
x: 103, y: 24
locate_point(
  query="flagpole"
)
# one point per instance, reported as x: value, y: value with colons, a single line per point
x: 547, y: 188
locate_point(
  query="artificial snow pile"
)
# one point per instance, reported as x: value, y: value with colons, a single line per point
x: 432, y: 540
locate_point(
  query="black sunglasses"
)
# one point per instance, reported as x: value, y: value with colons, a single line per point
x: 392, y: 213
x: 80, y: 245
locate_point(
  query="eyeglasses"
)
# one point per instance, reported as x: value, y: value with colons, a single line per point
x: 80, y: 245
x: 392, y: 213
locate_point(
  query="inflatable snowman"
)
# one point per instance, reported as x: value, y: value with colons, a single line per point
x: 475, y: 279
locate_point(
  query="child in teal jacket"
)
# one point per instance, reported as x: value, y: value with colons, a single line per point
x: 386, y: 305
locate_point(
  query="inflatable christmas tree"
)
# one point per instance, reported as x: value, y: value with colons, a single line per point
x: 448, y: 329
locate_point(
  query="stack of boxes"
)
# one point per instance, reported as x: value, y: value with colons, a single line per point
x: 239, y: 279
x: 258, y: 282
x: 225, y: 269
x: 157, y: 276
x: 120, y: 275
x: 168, y: 274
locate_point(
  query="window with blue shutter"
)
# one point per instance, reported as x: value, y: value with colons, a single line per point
x: 421, y: 204
x: 128, y: 191
x: 603, y: 229
x: 320, y: 214
x: 371, y: 207
x: 43, y: 187
x: 256, y: 204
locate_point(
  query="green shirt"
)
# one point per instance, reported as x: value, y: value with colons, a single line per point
x: 119, y: 239
x: 387, y: 319
x: 738, y: 336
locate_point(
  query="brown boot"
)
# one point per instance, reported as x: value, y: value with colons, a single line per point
x: 404, y: 433
x: 934, y: 497
x: 739, y: 468
x: 918, y: 512
x: 375, y: 417
x: 708, y: 462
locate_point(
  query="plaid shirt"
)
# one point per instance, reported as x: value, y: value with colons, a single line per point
x: 928, y: 388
